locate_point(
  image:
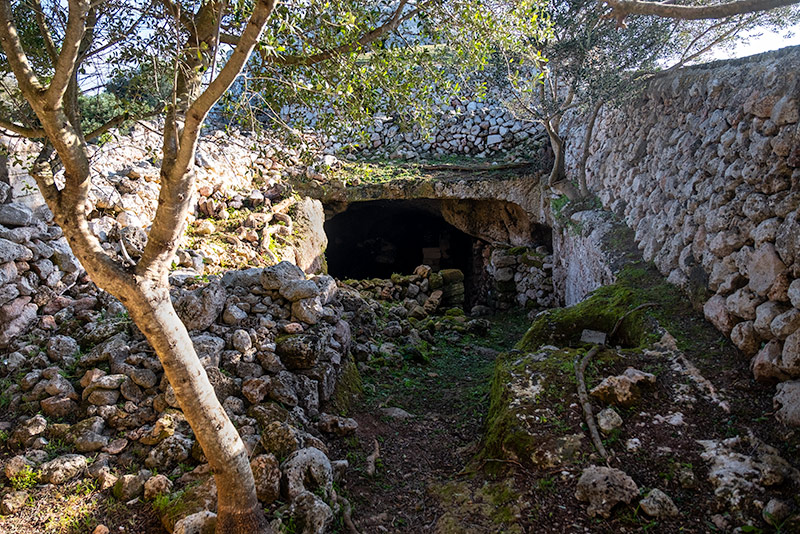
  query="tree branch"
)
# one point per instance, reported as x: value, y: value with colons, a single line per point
x: 199, y: 109
x: 24, y: 131
x: 390, y: 25
x: 49, y: 45
x: 116, y: 121
x: 15, y: 54
x: 70, y: 49
x: 177, y: 178
x: 622, y: 8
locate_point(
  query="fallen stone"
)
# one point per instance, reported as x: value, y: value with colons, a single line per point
x: 203, y: 522
x: 334, y: 424
x: 276, y: 276
x: 156, y: 486
x: 17, y: 465
x: 131, y: 486
x: 787, y: 402
x: 608, y: 420
x: 623, y: 390
x: 604, y: 488
x: 13, y: 502
x: 62, y: 469
x: 658, y: 504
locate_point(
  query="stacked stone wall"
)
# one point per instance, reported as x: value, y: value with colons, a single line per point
x: 705, y: 168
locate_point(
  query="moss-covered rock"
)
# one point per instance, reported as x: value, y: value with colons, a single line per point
x: 636, y: 285
x: 348, y: 387
x: 528, y: 391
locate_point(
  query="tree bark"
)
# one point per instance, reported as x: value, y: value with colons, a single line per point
x: 558, y: 174
x: 238, y: 509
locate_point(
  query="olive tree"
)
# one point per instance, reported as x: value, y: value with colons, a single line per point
x: 591, y: 63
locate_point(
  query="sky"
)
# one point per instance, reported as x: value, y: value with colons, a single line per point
x: 766, y: 42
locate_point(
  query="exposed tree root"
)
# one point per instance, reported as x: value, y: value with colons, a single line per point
x: 346, y: 514
x: 583, y: 396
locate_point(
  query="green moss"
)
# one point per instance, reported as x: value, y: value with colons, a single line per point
x: 636, y: 284
x: 516, y: 251
x: 190, y: 500
x: 533, y: 259
x: 507, y: 437
x: 348, y: 387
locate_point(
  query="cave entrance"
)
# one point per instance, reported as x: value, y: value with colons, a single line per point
x: 377, y: 238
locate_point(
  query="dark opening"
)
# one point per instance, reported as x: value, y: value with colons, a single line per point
x: 377, y: 238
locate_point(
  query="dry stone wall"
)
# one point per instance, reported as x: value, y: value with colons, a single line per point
x: 705, y: 168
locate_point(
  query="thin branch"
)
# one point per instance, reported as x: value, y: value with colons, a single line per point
x: 394, y: 22
x: 247, y: 42
x: 116, y: 121
x: 125, y: 34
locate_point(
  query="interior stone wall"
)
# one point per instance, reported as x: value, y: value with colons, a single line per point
x: 704, y: 166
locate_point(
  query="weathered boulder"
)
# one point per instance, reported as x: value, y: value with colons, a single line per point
x: 209, y: 349
x: 764, y: 269
x: 717, y: 314
x: 766, y: 365
x: 659, y: 505
x: 787, y: 402
x: 267, y: 474
x: 156, y: 486
x: 203, y: 522
x: 299, y: 351
x: 294, y: 290
x: 12, y: 502
x: 15, y: 214
x: 604, y: 488
x: 276, y: 276
x: 306, y: 470
x: 199, y: 309
x: 27, y: 431
x: 63, y: 468
x: 311, y: 514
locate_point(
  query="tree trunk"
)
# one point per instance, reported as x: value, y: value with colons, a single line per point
x: 238, y: 509
x: 150, y: 307
x: 558, y: 174
x: 584, y: 187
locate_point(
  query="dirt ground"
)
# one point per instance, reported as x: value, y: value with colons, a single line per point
x: 431, y: 476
